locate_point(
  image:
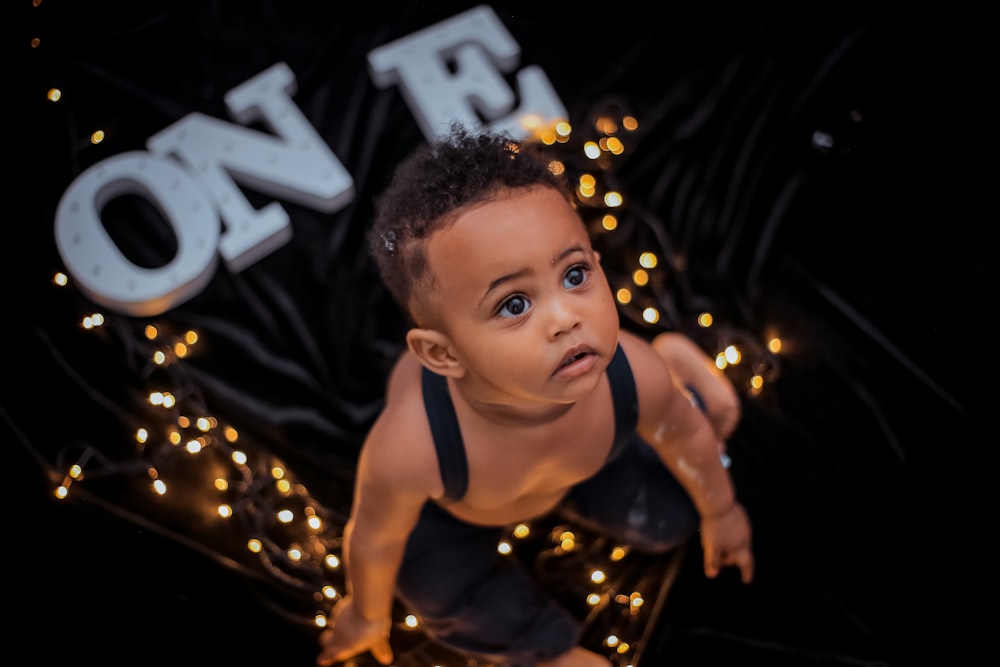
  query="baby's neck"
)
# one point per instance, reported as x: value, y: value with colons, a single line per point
x: 509, y: 413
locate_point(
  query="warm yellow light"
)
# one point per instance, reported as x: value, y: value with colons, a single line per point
x: 255, y: 545
x: 609, y: 222
x: 605, y: 125
x: 705, y: 320
x: 733, y: 355
x: 151, y: 332
x: 283, y: 486
x: 75, y: 471
x: 647, y: 260
x: 651, y: 315
x: 615, y: 146
x: 54, y: 94
x: 97, y: 137
x: 720, y: 361
x: 640, y: 277
x: 613, y: 199
x: 623, y: 295
x: 593, y: 599
x: 191, y: 337
x: 230, y: 434
x: 630, y: 123
x: 521, y: 531
x: 774, y: 345
x: 277, y: 472
x: 531, y: 121
x: 93, y: 321
x: 563, y: 128
x: 221, y: 484
x: 285, y: 516
x: 757, y: 382
x: 180, y: 349
x: 159, y: 358
x: 174, y: 437
x: 623, y: 647
x: 618, y: 553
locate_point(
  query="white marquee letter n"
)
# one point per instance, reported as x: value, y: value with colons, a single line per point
x: 296, y: 165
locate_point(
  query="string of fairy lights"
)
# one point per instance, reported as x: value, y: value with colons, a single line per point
x: 244, y: 490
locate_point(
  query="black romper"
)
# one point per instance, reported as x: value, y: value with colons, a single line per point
x: 475, y: 601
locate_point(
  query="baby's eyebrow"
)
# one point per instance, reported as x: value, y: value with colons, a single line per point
x: 500, y: 281
x: 558, y: 257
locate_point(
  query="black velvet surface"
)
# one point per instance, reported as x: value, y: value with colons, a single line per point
x: 814, y: 175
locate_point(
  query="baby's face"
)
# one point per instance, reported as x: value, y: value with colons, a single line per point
x: 522, y: 297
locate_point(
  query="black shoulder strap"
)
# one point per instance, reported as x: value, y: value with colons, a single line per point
x: 623, y: 395
x: 447, y: 435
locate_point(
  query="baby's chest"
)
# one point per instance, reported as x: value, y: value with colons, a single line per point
x: 537, y: 463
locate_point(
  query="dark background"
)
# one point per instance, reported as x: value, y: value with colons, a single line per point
x: 864, y: 463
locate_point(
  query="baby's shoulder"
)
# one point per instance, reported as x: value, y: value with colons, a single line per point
x: 401, y: 433
x: 650, y: 372
x: 640, y: 353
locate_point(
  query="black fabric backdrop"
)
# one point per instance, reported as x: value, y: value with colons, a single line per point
x: 859, y: 462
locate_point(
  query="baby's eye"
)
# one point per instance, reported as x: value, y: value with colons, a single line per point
x: 575, y: 276
x: 514, y: 306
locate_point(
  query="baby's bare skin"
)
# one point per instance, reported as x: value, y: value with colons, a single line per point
x: 524, y: 326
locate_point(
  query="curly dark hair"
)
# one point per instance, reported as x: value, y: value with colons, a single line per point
x: 429, y: 189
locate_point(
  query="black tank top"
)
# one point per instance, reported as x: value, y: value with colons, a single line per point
x: 448, y: 436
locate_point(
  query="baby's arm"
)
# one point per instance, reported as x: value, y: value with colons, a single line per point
x: 697, y: 371
x: 689, y: 446
x: 391, y: 488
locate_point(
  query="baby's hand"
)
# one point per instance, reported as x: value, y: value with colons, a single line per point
x: 725, y: 540
x: 349, y: 634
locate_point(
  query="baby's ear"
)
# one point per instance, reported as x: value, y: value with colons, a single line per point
x: 433, y: 349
